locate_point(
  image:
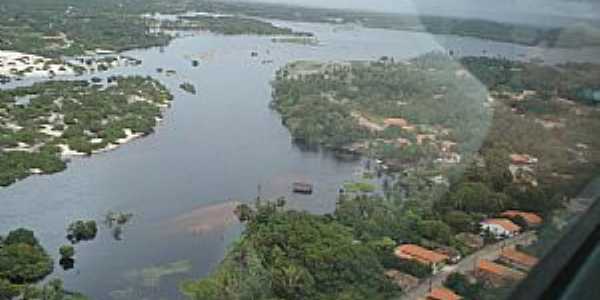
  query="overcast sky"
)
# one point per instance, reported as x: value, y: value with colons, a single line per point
x: 495, y: 9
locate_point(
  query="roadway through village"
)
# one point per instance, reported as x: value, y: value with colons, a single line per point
x: 467, y: 264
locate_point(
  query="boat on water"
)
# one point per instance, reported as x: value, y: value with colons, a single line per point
x: 302, y: 188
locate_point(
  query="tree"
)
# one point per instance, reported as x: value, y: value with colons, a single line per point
x: 23, y: 263
x: 67, y: 251
x: 435, y: 230
x: 21, y: 235
x: 476, y: 197
x: 461, y: 285
x: 82, y: 231
x: 8, y: 290
x: 459, y: 221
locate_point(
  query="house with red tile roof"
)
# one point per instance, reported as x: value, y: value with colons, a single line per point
x: 500, y: 227
x: 495, y: 274
x: 442, y: 294
x: 523, y: 159
x: 531, y: 218
x: 517, y: 259
x: 425, y: 256
x: 397, y: 122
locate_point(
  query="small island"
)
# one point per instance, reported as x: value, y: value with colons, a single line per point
x: 188, y: 87
x: 310, y: 41
x: 43, y: 124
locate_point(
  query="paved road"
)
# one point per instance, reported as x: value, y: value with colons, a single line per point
x: 490, y: 252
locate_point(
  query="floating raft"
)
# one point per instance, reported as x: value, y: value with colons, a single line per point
x: 302, y: 188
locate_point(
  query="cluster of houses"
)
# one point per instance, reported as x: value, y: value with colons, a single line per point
x: 423, y: 134
x: 505, y: 227
x: 522, y: 169
x: 510, y: 266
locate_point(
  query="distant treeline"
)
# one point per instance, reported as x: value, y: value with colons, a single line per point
x: 68, y: 27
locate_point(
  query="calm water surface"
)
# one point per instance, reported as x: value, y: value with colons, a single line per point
x: 213, y: 147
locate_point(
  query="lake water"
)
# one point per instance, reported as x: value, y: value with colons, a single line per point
x: 211, y: 148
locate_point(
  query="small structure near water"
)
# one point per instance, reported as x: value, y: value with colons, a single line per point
x: 302, y: 188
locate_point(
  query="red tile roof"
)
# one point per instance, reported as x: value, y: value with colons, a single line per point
x: 443, y: 294
x: 399, y: 122
x: 531, y: 218
x: 519, y: 257
x: 497, y: 269
x: 507, y: 224
x: 522, y: 159
x: 410, y: 251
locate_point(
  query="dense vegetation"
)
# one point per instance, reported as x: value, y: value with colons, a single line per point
x: 68, y: 27
x: 24, y: 262
x: 229, y: 25
x: 574, y: 81
x: 71, y: 114
x: 324, y: 104
x: 294, y: 255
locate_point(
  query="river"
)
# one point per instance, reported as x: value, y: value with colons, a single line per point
x: 211, y: 148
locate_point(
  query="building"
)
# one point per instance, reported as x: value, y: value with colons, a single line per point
x: 523, y: 159
x: 496, y: 275
x: 397, y: 122
x: 421, y: 138
x: 517, y: 259
x: 425, y: 256
x: 500, y: 227
x: 442, y: 294
x: 531, y: 219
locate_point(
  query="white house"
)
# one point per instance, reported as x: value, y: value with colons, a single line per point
x: 500, y: 227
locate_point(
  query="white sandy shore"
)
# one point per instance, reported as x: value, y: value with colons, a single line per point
x: 12, y: 63
x: 67, y: 152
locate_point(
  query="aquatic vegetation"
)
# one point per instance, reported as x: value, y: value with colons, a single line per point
x: 151, y: 276
x: 188, y: 87
x: 359, y: 187
x: 82, y: 231
x: 116, y: 221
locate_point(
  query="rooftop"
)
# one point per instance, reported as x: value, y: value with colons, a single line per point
x: 497, y: 269
x: 443, y: 294
x: 507, y: 224
x: 519, y: 257
x: 398, y: 122
x: 531, y: 218
x: 411, y: 251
